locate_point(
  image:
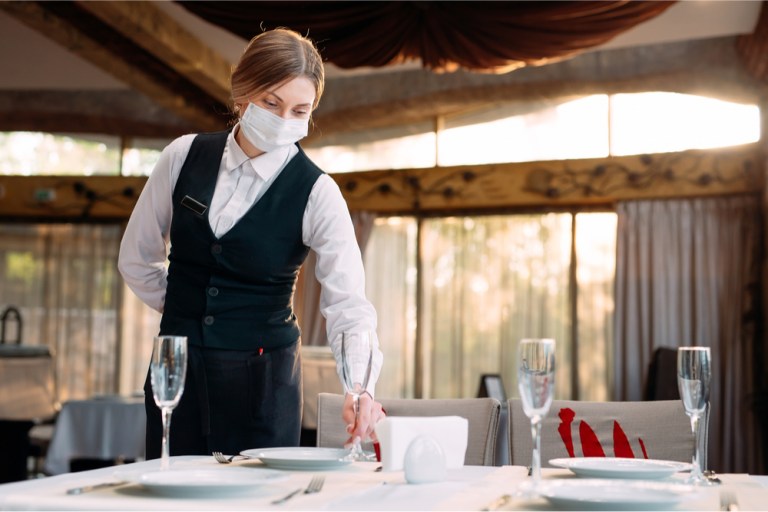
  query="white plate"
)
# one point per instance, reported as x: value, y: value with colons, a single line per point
x: 617, y: 467
x: 203, y: 482
x: 595, y: 494
x: 294, y: 458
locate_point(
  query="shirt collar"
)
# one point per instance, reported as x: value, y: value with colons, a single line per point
x: 265, y: 165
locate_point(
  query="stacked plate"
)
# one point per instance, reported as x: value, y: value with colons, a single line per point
x: 617, y: 484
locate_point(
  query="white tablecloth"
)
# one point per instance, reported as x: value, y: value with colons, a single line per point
x: 101, y: 428
x: 354, y: 487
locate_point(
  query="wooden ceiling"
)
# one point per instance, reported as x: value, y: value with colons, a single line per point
x: 179, y: 84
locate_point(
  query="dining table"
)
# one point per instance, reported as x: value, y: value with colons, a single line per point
x: 105, y: 428
x: 358, y: 485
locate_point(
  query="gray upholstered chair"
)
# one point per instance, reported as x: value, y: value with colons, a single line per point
x: 653, y: 430
x: 482, y: 414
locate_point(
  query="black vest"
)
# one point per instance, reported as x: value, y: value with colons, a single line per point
x: 235, y: 292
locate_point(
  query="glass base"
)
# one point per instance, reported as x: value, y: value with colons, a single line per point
x: 700, y: 481
x: 530, y: 489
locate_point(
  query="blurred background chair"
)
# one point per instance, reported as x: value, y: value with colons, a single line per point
x: 318, y: 375
x: 650, y: 430
x: 27, y: 394
x: 492, y: 385
x: 481, y: 413
x: 661, y: 381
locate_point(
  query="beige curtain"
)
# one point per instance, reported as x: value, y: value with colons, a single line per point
x: 686, y: 272
x: 64, y: 280
x: 306, y: 299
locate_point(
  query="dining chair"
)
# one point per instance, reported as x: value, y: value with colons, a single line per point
x: 661, y: 379
x: 650, y: 430
x: 481, y: 413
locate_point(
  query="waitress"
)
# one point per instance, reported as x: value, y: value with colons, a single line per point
x: 240, y: 210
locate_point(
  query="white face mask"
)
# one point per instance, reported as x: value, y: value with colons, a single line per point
x: 268, y: 132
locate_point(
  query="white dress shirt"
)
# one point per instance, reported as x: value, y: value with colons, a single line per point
x: 326, y: 228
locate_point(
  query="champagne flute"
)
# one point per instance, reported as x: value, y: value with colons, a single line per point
x: 356, y: 359
x: 693, y: 376
x: 168, y: 370
x: 536, y: 382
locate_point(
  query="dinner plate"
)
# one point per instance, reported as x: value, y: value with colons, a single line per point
x: 298, y: 458
x: 602, y: 494
x: 203, y: 482
x: 619, y: 467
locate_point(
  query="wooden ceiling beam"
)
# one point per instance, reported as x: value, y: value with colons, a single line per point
x: 37, y: 16
x: 161, y: 35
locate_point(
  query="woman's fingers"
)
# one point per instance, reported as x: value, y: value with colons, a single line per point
x: 370, y: 413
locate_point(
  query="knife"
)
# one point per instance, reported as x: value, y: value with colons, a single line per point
x: 89, y: 488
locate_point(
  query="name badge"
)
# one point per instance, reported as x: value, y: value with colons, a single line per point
x: 194, y: 205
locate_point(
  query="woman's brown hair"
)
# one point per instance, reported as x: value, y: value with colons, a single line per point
x: 273, y: 58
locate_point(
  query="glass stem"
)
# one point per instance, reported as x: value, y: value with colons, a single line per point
x: 356, y: 406
x: 536, y: 457
x: 165, y: 462
x: 696, y: 471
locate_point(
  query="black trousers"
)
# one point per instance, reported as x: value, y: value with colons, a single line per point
x: 233, y: 401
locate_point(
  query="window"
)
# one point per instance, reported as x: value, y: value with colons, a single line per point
x: 39, y: 154
x: 141, y: 157
x: 657, y: 122
x: 35, y: 153
x: 487, y: 282
x: 593, y: 126
x: 394, y: 148
x: 554, y: 131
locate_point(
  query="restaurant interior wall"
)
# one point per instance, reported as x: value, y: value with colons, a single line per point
x: 547, y: 123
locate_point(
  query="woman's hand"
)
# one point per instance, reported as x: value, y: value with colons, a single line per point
x: 371, y: 413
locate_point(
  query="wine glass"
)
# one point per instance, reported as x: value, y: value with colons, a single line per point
x: 168, y: 369
x: 356, y: 359
x: 536, y: 382
x: 693, y: 376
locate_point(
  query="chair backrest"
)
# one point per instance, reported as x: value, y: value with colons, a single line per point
x: 482, y: 414
x: 648, y: 430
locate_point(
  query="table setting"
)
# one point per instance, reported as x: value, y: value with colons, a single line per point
x: 418, y: 466
x: 202, y: 483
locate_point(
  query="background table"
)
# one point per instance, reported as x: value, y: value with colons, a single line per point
x: 107, y: 428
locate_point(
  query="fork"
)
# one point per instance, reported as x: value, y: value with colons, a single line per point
x: 223, y: 459
x: 728, y: 501
x: 315, y: 485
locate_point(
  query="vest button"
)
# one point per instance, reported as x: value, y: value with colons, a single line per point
x: 208, y: 320
x: 213, y: 291
x: 216, y: 249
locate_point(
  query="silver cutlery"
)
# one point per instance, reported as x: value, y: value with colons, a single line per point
x: 315, y: 485
x: 94, y: 487
x: 498, y: 502
x: 223, y: 459
x: 712, y: 476
x: 728, y: 501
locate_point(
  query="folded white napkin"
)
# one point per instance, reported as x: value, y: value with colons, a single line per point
x: 395, y: 434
